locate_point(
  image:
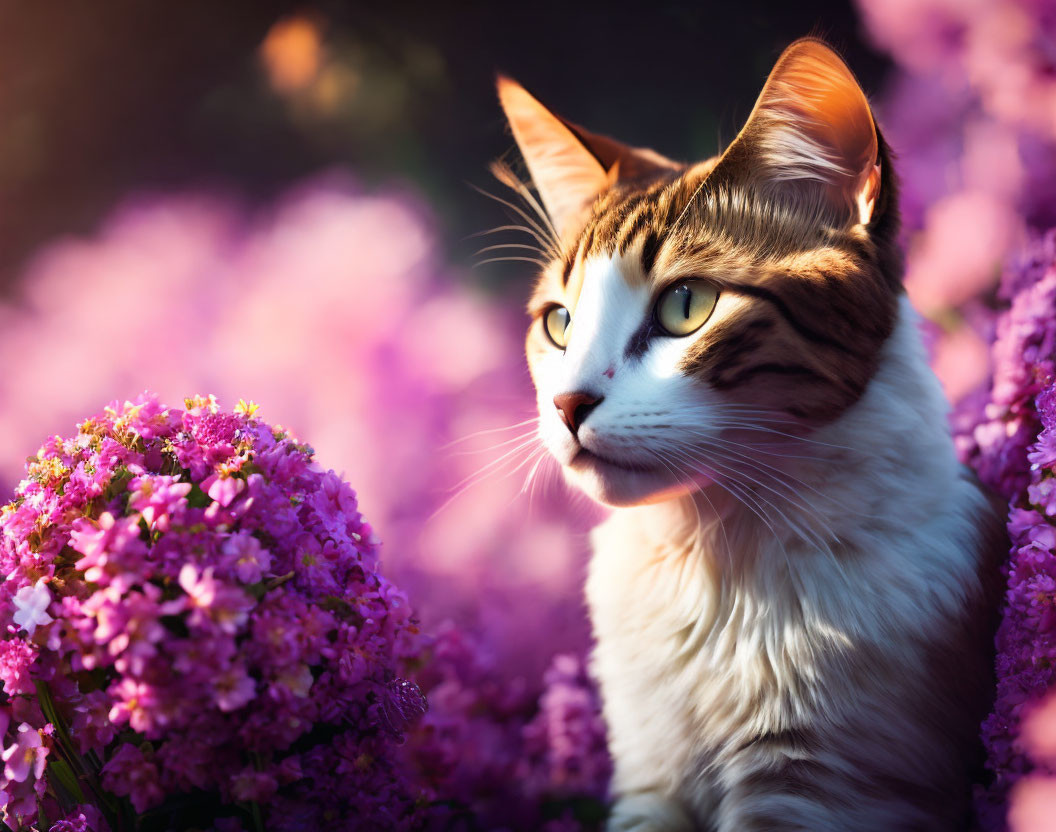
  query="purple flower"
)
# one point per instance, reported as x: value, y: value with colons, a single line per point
x: 83, y: 818
x: 202, y: 583
x: 253, y: 785
x: 130, y: 774
x: 566, y: 749
x: 402, y: 705
x: 1008, y: 439
x: 233, y: 688
x: 1043, y: 495
x: 91, y: 726
x: 246, y: 557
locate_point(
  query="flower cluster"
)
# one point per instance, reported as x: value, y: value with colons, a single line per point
x: 424, y: 362
x: 400, y: 374
x: 969, y: 112
x: 1008, y: 434
x: 565, y: 751
x: 504, y: 756
x: 196, y: 632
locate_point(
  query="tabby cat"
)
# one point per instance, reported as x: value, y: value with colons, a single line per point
x: 789, y: 597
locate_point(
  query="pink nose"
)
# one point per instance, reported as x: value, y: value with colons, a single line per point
x: 575, y: 407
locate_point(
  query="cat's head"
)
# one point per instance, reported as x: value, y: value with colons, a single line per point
x: 751, y: 291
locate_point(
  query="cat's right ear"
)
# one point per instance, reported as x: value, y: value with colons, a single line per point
x: 569, y: 165
x: 811, y: 136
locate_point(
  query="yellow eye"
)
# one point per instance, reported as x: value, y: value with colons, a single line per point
x: 684, y: 307
x: 556, y: 322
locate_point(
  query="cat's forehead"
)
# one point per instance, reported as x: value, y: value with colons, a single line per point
x: 678, y: 226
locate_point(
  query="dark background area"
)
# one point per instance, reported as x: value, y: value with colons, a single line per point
x: 100, y: 100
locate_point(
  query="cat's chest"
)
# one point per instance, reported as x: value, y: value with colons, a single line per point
x: 666, y: 614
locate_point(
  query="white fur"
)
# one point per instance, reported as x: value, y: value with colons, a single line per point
x: 715, y: 627
x: 647, y: 400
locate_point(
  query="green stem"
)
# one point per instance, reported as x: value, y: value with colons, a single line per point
x: 258, y: 817
x: 68, y: 751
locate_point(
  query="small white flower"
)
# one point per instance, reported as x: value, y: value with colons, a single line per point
x: 32, y: 603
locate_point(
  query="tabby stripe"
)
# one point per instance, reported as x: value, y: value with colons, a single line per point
x: 639, y: 341
x: 607, y: 228
x: 566, y: 269
x: 786, y: 313
x: 650, y: 249
x: 632, y: 228
x: 763, y: 369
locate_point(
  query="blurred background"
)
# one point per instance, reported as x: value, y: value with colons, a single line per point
x: 100, y: 100
x: 273, y: 201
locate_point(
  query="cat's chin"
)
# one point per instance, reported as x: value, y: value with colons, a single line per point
x: 620, y: 484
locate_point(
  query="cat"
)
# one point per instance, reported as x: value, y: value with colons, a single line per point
x: 792, y: 598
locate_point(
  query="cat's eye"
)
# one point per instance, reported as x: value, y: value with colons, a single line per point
x: 556, y: 322
x: 683, y: 308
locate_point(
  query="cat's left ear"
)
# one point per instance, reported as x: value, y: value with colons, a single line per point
x: 570, y: 166
x: 810, y: 134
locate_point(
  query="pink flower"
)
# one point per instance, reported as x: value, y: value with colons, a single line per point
x: 212, y: 600
x: 223, y: 489
x: 27, y: 755
x: 1033, y: 805
x: 139, y: 704
x: 111, y: 548
x: 16, y: 660
x: 156, y: 498
x: 128, y: 625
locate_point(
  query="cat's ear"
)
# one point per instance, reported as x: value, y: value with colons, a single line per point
x: 810, y: 134
x: 569, y: 165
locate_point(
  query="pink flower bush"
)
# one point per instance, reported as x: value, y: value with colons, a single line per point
x: 401, y: 377
x: 503, y: 756
x: 196, y: 629
x: 332, y: 307
x: 971, y: 116
x: 1008, y: 434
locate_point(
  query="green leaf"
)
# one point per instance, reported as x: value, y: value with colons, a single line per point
x: 67, y: 779
x: 196, y: 498
x: 51, y: 714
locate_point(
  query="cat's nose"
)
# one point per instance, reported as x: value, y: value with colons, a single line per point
x: 575, y: 407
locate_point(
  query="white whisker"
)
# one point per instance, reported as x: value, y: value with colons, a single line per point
x: 544, y: 237
x: 511, y: 259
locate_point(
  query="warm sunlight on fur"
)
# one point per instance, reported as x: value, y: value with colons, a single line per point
x: 723, y: 352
